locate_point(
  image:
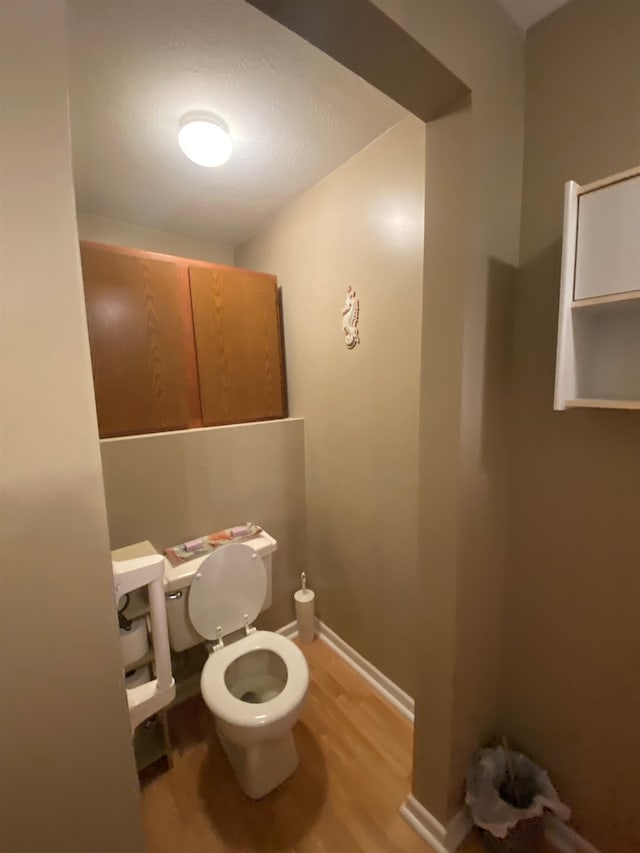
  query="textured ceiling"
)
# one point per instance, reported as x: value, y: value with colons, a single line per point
x: 137, y: 66
x: 526, y: 13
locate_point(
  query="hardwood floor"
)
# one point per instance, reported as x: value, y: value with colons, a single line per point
x: 354, y: 773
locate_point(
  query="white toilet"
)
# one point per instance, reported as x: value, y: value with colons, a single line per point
x: 254, y: 682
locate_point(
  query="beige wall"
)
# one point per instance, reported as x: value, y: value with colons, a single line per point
x: 104, y: 230
x: 463, y: 504
x: 68, y: 778
x: 361, y: 226
x: 171, y: 487
x: 440, y: 480
x: 458, y: 589
x: 571, y: 687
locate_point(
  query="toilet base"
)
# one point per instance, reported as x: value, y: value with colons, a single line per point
x: 262, y: 766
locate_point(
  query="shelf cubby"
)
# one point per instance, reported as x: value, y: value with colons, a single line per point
x: 598, y: 357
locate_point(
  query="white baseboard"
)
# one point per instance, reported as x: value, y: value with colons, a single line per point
x: 564, y: 838
x: 400, y: 700
x: 393, y: 694
x: 442, y: 839
x: 424, y: 824
x: 459, y: 827
x: 290, y: 631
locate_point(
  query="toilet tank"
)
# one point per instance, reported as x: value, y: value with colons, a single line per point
x: 177, y: 580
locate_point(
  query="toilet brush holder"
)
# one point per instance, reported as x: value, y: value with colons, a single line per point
x: 305, y: 612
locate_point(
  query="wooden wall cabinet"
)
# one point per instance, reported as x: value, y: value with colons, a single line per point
x: 177, y: 343
x: 598, y: 357
x: 237, y: 344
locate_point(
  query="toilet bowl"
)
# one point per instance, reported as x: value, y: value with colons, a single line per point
x: 254, y: 682
x: 255, y: 689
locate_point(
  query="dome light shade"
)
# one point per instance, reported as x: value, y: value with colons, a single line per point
x: 205, y: 141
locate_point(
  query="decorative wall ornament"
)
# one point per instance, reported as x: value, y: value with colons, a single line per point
x: 350, y: 317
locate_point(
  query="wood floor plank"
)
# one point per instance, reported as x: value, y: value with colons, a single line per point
x: 165, y: 830
x: 355, y: 767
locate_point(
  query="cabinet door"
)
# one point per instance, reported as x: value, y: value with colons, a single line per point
x: 136, y: 318
x: 236, y: 322
x: 608, y: 248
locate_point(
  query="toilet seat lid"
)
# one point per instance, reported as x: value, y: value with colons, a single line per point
x: 230, y: 583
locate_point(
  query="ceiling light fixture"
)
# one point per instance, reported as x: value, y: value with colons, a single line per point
x: 204, y: 140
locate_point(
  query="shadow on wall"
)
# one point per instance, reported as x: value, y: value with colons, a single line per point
x: 535, y: 331
x: 501, y: 287
x: 570, y: 693
x: 479, y: 598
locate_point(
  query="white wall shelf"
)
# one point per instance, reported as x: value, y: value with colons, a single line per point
x: 610, y: 299
x: 598, y: 356
x: 602, y: 404
x: 151, y: 739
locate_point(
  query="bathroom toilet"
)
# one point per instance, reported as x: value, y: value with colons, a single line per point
x: 254, y: 682
x: 255, y: 688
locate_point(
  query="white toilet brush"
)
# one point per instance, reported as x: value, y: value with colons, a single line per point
x: 305, y: 611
